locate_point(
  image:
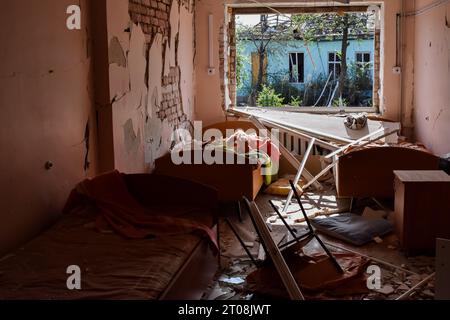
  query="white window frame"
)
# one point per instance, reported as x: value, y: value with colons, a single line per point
x: 363, y: 53
x: 335, y: 63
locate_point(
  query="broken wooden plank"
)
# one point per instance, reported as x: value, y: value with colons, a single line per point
x: 408, y: 293
x: 344, y: 148
x: 277, y: 258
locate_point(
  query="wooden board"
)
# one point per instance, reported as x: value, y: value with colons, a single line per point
x: 280, y: 264
x: 422, y: 176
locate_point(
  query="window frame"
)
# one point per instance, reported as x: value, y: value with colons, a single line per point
x: 377, y: 60
x: 300, y: 77
x: 363, y: 53
x: 337, y: 63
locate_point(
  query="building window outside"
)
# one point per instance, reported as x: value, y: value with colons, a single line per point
x: 334, y: 64
x: 363, y: 58
x: 297, y: 67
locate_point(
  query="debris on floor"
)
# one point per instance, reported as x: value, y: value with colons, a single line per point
x: 398, y: 275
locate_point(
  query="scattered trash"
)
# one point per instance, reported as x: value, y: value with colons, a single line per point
x: 273, y: 219
x: 386, y: 290
x: 235, y: 280
x: 403, y: 287
x: 398, y: 277
x: 378, y: 240
x: 227, y: 296
x: 217, y: 292
x: 428, y: 293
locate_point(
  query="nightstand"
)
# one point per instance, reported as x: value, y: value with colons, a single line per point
x: 422, y: 208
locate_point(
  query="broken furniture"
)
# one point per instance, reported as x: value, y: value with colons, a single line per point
x: 422, y: 208
x: 233, y: 181
x: 179, y: 266
x: 368, y: 173
x: 303, y: 240
x: 276, y: 252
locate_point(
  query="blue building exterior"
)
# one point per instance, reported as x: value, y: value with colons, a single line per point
x: 317, y: 59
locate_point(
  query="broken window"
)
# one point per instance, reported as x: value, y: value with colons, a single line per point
x: 334, y: 64
x: 296, y: 67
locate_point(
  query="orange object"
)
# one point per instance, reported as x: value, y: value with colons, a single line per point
x: 126, y: 216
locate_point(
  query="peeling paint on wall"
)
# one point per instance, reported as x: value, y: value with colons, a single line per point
x: 132, y: 140
x: 153, y: 85
x: 116, y: 53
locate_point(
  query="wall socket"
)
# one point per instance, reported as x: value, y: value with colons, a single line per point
x: 397, y: 70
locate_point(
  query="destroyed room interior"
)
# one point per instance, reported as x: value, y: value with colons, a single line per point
x: 233, y: 151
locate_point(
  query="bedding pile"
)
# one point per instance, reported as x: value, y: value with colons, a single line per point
x: 119, y: 210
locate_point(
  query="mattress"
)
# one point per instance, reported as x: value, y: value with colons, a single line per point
x: 111, y: 267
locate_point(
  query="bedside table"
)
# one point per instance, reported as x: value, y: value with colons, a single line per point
x: 422, y: 208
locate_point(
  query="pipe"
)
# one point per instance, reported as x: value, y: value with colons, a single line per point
x: 211, y: 41
x: 426, y: 8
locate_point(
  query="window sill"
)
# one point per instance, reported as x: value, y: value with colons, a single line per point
x: 318, y: 110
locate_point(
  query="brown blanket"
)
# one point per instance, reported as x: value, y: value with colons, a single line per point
x: 119, y: 210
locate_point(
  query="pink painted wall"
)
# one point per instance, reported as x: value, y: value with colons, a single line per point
x: 46, y: 99
x: 432, y: 77
x: 208, y: 101
x: 208, y: 107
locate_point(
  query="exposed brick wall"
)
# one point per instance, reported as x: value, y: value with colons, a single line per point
x: 171, y: 107
x: 227, y: 54
x: 152, y: 15
x: 376, y: 68
x: 154, y: 18
x: 222, y: 54
x: 232, y: 60
x: 188, y: 4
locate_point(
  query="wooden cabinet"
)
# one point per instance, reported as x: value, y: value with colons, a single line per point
x: 422, y: 208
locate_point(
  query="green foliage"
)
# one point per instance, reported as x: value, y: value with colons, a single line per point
x: 241, y: 61
x: 295, y: 102
x: 360, y: 84
x: 329, y: 25
x: 282, y: 86
x: 340, y: 102
x: 269, y: 98
x: 313, y: 89
x: 357, y: 86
